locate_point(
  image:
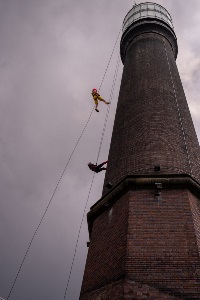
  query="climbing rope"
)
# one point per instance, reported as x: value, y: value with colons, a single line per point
x: 103, y: 132
x: 78, y: 237
x: 29, y: 246
x: 178, y: 109
x: 110, y: 59
x: 108, y: 109
x: 48, y: 205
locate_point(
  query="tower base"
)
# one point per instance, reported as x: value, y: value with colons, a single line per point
x: 126, y: 290
x: 145, y: 240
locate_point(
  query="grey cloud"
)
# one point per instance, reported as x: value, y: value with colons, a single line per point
x: 52, y: 53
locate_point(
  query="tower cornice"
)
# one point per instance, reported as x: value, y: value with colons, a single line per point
x: 134, y: 182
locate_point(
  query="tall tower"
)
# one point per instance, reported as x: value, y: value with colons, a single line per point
x: 145, y: 230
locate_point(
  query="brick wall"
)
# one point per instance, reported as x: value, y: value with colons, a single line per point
x: 107, y: 252
x: 127, y: 290
x: 143, y: 247
x: 195, y: 208
x: 149, y: 241
x: 162, y: 246
x: 153, y: 123
x: 137, y: 291
x: 113, y: 291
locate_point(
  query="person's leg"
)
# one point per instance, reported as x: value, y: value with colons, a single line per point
x: 102, y: 169
x: 96, y: 103
x: 99, y: 169
x: 101, y: 165
x: 101, y: 99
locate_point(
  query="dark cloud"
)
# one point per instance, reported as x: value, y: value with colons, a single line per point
x: 52, y: 54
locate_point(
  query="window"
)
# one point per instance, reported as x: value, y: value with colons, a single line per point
x: 143, y: 13
x: 136, y: 16
x: 151, y: 13
x: 158, y: 14
x: 151, y: 6
x: 131, y: 20
x: 129, y: 14
x: 148, y: 9
x: 143, y: 6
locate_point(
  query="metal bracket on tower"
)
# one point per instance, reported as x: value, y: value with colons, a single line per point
x: 157, y: 168
x: 158, y: 186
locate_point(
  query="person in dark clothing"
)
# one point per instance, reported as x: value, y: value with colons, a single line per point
x: 96, y: 168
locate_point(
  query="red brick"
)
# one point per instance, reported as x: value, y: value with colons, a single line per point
x: 142, y: 246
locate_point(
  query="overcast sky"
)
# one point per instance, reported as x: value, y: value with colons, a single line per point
x: 52, y: 53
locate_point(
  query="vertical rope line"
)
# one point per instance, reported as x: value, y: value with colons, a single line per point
x: 104, y: 128
x: 80, y: 227
x: 175, y: 96
x: 108, y: 109
x: 110, y: 59
x: 29, y: 246
x: 47, y: 207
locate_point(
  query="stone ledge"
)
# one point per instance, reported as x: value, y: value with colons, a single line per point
x: 134, y: 182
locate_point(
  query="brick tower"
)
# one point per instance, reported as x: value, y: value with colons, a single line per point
x: 145, y: 230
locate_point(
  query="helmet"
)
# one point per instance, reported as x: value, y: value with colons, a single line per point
x: 94, y: 90
x: 89, y: 164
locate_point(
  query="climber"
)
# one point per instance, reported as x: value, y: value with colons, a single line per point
x: 97, y: 97
x: 96, y: 168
